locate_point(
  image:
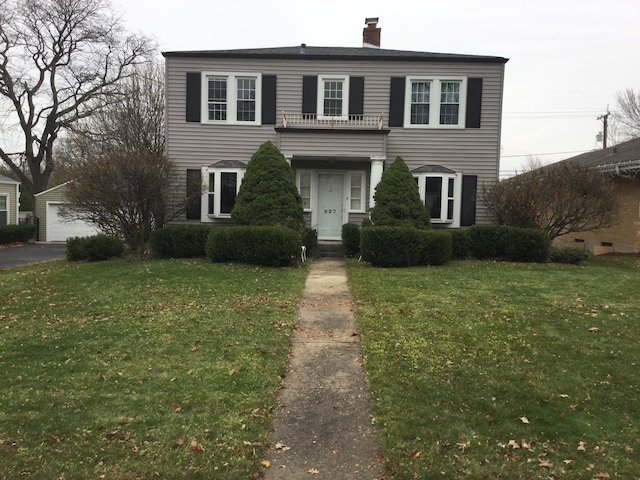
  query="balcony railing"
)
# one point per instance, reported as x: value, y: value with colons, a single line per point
x: 317, y: 121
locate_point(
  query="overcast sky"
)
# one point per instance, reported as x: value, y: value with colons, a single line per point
x: 567, y: 58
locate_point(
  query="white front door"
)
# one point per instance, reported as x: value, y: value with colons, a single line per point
x: 330, y: 205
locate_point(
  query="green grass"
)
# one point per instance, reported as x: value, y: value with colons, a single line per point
x: 459, y: 357
x: 136, y: 370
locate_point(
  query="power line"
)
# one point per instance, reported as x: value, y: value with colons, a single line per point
x: 547, y: 153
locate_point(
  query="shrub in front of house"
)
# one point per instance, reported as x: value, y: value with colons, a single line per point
x: 487, y: 241
x: 397, y: 199
x: 461, y: 243
x: 94, y: 248
x: 526, y: 245
x: 351, y: 239
x: 570, y: 255
x: 310, y: 240
x: 263, y: 245
x: 437, y: 247
x: 268, y: 194
x: 180, y: 241
x: 16, y: 233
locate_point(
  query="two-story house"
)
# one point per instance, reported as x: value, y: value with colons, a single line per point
x: 338, y: 115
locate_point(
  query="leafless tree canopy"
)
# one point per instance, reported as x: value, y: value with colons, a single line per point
x: 61, y: 61
x: 628, y: 117
x: 558, y: 198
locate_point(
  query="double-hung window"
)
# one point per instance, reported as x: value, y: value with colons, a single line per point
x: 4, y: 210
x: 232, y: 98
x: 435, y: 102
x: 222, y: 185
x: 441, y: 191
x: 333, y: 97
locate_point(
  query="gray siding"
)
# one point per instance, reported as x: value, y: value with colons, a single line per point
x: 55, y: 194
x: 12, y: 200
x: 471, y: 151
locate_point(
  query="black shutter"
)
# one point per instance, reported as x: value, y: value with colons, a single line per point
x: 268, y: 99
x: 396, y: 102
x: 194, y: 193
x: 309, y: 94
x: 474, y: 102
x: 193, y: 96
x: 468, y: 210
x: 356, y: 95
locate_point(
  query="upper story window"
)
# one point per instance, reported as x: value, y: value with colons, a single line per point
x: 232, y: 98
x: 333, y: 96
x: 435, y: 102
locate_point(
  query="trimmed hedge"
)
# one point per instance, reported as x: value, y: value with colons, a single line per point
x: 180, y: 241
x: 351, y: 239
x: 461, y: 243
x: 310, y: 240
x: 568, y: 255
x: 94, y: 248
x: 266, y: 246
x: 16, y: 233
x: 509, y: 243
x: 405, y: 246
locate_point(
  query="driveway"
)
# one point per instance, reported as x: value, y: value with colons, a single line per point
x: 32, y: 253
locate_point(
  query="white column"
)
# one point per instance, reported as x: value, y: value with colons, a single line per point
x: 376, y: 175
x: 288, y: 157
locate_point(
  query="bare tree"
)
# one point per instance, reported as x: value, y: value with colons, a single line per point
x: 628, y: 117
x: 558, y: 198
x: 122, y: 179
x: 61, y: 61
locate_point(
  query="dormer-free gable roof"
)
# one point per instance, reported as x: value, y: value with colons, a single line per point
x: 334, y: 53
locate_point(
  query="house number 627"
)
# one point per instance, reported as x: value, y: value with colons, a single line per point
x: 330, y: 210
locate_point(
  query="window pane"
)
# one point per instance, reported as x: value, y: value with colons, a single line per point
x: 3, y: 203
x: 246, y: 100
x: 333, y: 97
x: 356, y: 191
x: 433, y: 196
x: 212, y: 178
x: 449, y: 103
x: 420, y: 98
x: 228, y: 187
x: 3, y: 218
x: 218, y: 98
x: 305, y: 189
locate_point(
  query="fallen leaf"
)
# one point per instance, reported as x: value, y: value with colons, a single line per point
x: 313, y: 471
x: 524, y: 420
x: 627, y: 449
x: 513, y: 444
x: 601, y: 475
x: 567, y: 462
x: 181, y: 441
x: 544, y: 463
x: 253, y: 444
x: 564, y: 395
x: 265, y: 463
x: 176, y: 407
x: 525, y: 444
x: 582, y: 447
x: 593, y: 329
x: 280, y: 446
x: 414, y: 454
x: 232, y: 371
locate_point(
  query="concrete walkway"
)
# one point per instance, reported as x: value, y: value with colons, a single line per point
x: 322, y: 428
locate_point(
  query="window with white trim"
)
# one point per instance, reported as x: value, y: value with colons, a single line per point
x: 232, y: 98
x: 304, y: 187
x: 435, y: 102
x: 333, y: 97
x: 4, y: 210
x: 222, y: 187
x: 356, y: 192
x: 441, y: 194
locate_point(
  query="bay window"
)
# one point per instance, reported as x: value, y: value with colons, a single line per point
x: 222, y: 181
x: 441, y: 191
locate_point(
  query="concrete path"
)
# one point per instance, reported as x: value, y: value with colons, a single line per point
x: 322, y: 428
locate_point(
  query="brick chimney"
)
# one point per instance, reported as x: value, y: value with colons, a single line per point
x: 371, y: 33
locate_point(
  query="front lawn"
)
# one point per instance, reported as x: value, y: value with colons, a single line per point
x: 490, y: 370
x: 136, y: 370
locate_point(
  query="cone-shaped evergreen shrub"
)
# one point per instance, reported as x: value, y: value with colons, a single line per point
x: 268, y: 194
x: 397, y: 200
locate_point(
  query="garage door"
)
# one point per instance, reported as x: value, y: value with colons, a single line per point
x: 59, y: 228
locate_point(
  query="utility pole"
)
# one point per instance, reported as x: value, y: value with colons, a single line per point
x: 604, y: 119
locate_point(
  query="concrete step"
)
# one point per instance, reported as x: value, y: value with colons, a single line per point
x: 330, y: 249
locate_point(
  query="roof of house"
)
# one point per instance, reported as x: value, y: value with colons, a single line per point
x: 623, y: 157
x: 4, y: 179
x: 336, y: 53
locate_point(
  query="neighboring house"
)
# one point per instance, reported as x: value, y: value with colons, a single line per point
x: 52, y: 227
x: 622, y: 162
x: 338, y: 115
x: 9, y: 201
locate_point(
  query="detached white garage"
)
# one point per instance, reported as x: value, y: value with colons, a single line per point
x: 52, y: 226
